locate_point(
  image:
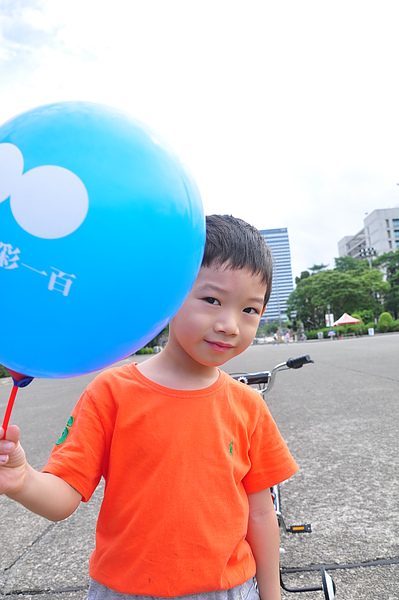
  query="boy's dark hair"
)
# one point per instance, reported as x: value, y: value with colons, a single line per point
x: 238, y: 245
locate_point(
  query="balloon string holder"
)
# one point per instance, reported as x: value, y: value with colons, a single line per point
x: 18, y: 383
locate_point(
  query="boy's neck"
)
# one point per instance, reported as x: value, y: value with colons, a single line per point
x: 166, y: 370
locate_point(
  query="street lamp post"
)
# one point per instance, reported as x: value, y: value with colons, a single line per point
x: 368, y: 253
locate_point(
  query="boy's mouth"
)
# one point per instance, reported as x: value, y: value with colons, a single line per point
x: 219, y: 346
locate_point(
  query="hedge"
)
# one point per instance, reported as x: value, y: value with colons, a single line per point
x: 385, y: 324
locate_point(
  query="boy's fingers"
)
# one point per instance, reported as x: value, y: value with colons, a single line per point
x: 6, y: 446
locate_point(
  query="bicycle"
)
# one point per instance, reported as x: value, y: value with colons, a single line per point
x: 264, y: 381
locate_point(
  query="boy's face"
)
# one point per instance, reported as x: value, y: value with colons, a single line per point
x: 219, y: 319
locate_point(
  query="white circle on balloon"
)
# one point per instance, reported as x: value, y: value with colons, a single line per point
x: 11, y: 167
x: 49, y: 202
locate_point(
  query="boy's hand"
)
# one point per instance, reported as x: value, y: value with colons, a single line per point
x: 42, y: 493
x: 12, y: 461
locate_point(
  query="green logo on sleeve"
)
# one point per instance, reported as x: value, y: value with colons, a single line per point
x: 65, y: 433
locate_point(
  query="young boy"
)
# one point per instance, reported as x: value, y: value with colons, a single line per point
x: 187, y: 453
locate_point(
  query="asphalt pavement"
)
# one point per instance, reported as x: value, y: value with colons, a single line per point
x: 340, y: 418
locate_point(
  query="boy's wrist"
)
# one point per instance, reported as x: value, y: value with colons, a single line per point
x: 21, y: 484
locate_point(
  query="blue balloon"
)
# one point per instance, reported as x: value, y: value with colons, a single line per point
x: 102, y: 233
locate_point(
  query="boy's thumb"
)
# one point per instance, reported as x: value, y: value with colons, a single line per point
x: 12, y: 433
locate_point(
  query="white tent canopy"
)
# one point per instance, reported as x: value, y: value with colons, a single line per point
x: 346, y: 320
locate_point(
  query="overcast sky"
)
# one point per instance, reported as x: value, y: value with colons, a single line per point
x: 286, y: 112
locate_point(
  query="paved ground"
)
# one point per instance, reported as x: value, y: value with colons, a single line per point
x: 340, y: 418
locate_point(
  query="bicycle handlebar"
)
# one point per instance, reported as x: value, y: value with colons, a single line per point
x: 267, y: 377
x: 296, y: 363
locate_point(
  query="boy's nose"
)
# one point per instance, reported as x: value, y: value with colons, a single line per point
x: 227, y: 323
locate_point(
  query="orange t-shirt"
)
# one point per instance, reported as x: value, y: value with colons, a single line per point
x: 178, y: 466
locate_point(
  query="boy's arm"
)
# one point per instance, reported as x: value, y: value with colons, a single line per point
x: 264, y: 539
x: 42, y: 493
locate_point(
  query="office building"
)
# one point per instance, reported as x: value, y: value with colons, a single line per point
x: 278, y: 242
x: 380, y: 234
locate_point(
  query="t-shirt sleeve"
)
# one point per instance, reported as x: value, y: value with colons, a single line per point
x: 79, y: 455
x: 271, y: 460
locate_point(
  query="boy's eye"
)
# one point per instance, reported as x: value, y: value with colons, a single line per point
x: 211, y: 300
x: 251, y: 311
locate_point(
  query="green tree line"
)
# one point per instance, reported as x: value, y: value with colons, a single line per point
x: 353, y: 286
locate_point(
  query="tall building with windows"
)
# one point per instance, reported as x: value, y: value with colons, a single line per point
x: 380, y: 234
x: 278, y: 242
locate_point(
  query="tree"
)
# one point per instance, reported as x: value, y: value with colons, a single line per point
x: 390, y: 263
x: 268, y: 328
x: 350, y: 290
x: 385, y: 322
x: 309, y: 301
x: 318, y: 268
x: 303, y: 275
x: 375, y: 290
x: 348, y: 263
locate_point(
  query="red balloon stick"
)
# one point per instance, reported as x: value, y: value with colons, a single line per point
x: 9, y: 408
x: 19, y: 381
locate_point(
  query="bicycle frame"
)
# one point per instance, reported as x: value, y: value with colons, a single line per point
x: 264, y: 380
